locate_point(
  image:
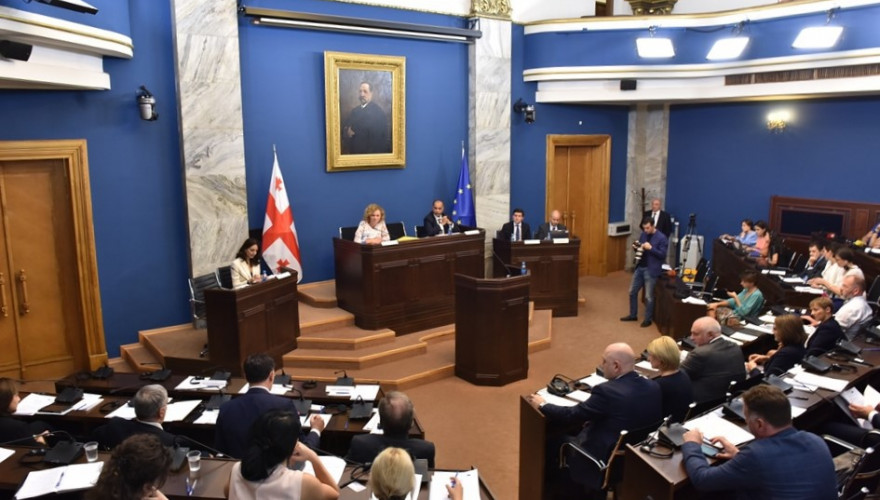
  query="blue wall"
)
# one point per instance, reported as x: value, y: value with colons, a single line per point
x: 529, y: 142
x: 134, y: 166
x: 724, y: 165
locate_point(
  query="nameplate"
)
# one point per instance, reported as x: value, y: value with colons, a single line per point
x: 281, y: 276
x: 472, y: 232
x: 560, y: 241
x: 531, y: 242
x: 390, y: 243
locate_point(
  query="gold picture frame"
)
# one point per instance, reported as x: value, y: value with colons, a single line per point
x: 365, y: 108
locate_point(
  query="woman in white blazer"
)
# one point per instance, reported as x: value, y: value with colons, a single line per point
x: 246, y: 266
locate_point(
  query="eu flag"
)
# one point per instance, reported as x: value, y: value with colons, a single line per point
x: 463, y: 205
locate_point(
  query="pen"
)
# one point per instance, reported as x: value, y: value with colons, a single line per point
x: 799, y: 397
x: 452, y: 482
x: 61, y: 477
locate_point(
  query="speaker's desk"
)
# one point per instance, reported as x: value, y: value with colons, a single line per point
x: 553, y: 266
x: 408, y: 286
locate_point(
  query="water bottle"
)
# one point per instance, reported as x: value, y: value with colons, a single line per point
x: 522, y: 268
x: 265, y: 277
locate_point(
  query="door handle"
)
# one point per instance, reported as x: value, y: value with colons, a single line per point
x: 3, y: 308
x: 24, y: 307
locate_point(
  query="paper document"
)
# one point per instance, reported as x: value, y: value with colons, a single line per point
x: 125, y: 411
x: 767, y: 318
x: 694, y: 300
x: 60, y: 479
x: 208, y: 417
x: 305, y: 420
x: 531, y: 242
x: 276, y: 389
x: 334, y: 465
x: 555, y: 400
x: 742, y: 336
x: 797, y: 411
x: 809, y: 289
x: 594, y: 380
x: 711, y: 425
x: 367, y: 392
x: 193, y: 383
x: 33, y: 402
x: 372, y: 425
x: 6, y: 453
x: 340, y: 390
x: 470, y: 483
x: 645, y: 365
x: 832, y: 384
x: 793, y: 279
x: 759, y: 328
x: 178, y: 410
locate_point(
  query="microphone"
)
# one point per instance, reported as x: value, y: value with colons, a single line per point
x: 302, y: 405
x: 32, y: 437
x: 508, y: 267
x: 217, y: 400
x: 344, y: 379
x: 283, y: 379
x: 360, y: 409
x: 217, y: 453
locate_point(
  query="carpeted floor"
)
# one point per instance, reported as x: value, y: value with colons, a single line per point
x: 479, y: 426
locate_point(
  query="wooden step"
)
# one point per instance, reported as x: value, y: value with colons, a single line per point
x: 139, y: 358
x: 120, y: 365
x: 320, y: 294
x: 345, y: 338
x: 174, y: 341
x: 402, y: 347
x: 318, y: 319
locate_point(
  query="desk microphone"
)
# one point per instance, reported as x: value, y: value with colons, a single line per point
x: 507, y: 267
x: 302, y: 405
x: 28, y: 438
x: 344, y: 379
x: 217, y: 453
x: 158, y: 375
x: 283, y: 379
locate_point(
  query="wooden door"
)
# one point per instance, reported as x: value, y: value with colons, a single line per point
x: 578, y: 177
x: 50, y: 323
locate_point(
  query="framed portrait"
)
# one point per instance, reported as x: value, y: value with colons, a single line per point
x: 365, y: 111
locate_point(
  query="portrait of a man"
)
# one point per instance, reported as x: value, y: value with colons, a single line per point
x: 366, y: 129
x: 366, y: 111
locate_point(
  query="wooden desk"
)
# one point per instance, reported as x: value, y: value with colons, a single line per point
x: 406, y: 287
x: 672, y: 316
x: 728, y: 265
x: 554, y: 270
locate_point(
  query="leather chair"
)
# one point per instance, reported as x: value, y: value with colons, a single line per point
x: 197, y: 287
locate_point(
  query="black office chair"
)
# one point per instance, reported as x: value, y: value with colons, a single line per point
x: 197, y: 287
x: 347, y: 232
x: 396, y: 230
x: 224, y: 277
x: 863, y: 476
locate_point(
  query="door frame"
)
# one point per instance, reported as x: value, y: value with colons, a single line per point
x: 597, y: 240
x: 74, y: 157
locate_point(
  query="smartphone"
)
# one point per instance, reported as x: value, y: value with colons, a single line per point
x: 709, y: 450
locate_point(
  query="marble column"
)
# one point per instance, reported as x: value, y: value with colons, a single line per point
x: 489, y: 123
x: 646, y: 156
x: 211, y: 129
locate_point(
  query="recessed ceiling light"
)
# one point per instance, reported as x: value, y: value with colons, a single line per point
x: 655, y: 47
x: 817, y: 37
x: 728, y: 48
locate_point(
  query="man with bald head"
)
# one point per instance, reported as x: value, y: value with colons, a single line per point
x: 714, y: 363
x: 554, y: 224
x: 626, y: 402
x: 662, y: 220
x: 855, y: 311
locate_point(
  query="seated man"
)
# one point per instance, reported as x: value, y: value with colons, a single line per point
x: 150, y: 403
x: 782, y: 462
x: 438, y: 222
x: 554, y: 224
x: 714, y: 364
x: 237, y: 415
x: 517, y: 229
x: 395, y: 419
x: 816, y: 263
x: 626, y: 402
x: 855, y: 311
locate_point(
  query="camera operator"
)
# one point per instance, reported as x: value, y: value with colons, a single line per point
x: 652, y: 244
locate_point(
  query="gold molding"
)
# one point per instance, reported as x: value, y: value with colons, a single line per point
x: 74, y: 157
x: 491, y: 8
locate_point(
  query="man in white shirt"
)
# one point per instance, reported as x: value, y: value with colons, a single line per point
x: 661, y: 218
x: 855, y: 312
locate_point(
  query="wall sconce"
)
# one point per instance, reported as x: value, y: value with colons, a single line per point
x: 528, y: 110
x: 777, y: 121
x: 147, y: 104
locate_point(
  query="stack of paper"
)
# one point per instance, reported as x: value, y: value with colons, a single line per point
x: 33, y: 402
x: 555, y: 400
x: 194, y: 383
x: 470, y: 484
x: 832, y: 384
x: 60, y: 479
x: 712, y: 425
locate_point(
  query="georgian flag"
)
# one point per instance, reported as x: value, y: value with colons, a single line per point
x: 280, y: 244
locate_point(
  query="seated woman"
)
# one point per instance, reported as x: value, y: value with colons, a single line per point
x: 788, y: 330
x: 872, y: 239
x: 828, y: 331
x: 136, y: 470
x: 263, y: 471
x: 12, y: 429
x: 675, y: 385
x: 392, y: 476
x: 843, y: 258
x: 761, y: 248
x: 747, y: 237
x: 747, y: 303
x: 246, y: 266
x: 372, y: 230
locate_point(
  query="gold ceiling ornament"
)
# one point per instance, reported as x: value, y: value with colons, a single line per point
x: 651, y: 7
x: 491, y: 8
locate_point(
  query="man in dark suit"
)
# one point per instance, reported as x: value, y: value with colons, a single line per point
x: 395, y: 419
x: 554, y: 224
x: 365, y: 130
x: 652, y: 244
x: 816, y: 263
x: 437, y: 222
x: 150, y: 403
x: 781, y: 463
x: 626, y: 402
x: 237, y: 415
x: 661, y: 219
x: 715, y: 362
x: 516, y: 230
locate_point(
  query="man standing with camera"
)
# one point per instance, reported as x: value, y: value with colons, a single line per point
x: 650, y: 252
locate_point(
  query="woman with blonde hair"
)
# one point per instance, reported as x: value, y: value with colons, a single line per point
x: 372, y: 230
x: 675, y: 386
x: 392, y: 476
x: 788, y: 330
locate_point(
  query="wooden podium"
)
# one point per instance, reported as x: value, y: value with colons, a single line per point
x: 554, y: 270
x: 491, y: 329
x: 257, y: 318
